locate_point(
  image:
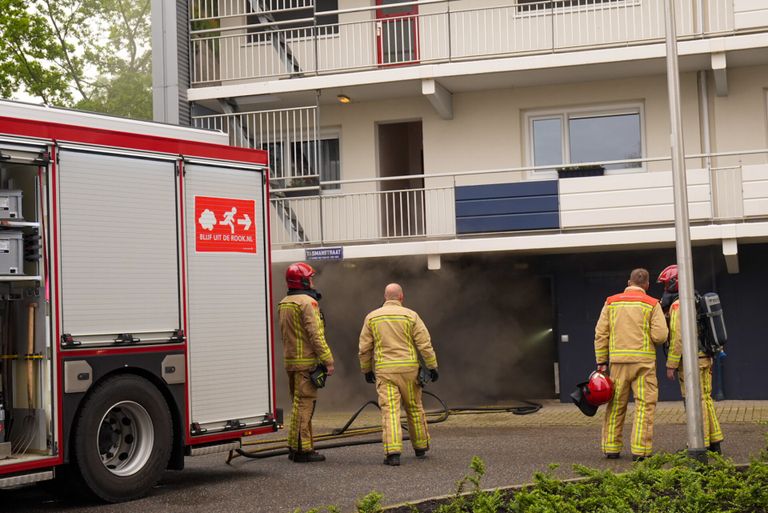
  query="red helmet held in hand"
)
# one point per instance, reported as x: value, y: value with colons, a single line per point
x: 297, y: 275
x: 591, y: 394
x: 669, y: 278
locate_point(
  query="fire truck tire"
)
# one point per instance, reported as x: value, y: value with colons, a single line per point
x: 122, y: 438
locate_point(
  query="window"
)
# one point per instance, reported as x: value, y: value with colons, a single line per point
x: 293, y: 10
x: 535, y: 5
x: 578, y: 136
x: 303, y: 161
x: 296, y: 162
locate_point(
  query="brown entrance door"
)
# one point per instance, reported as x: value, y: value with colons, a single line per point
x: 402, y: 200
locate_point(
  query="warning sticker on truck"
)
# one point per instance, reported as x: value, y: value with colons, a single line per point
x: 225, y: 225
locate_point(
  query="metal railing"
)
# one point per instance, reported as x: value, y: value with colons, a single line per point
x: 366, y: 216
x: 204, y: 10
x: 735, y: 189
x: 289, y: 135
x: 238, y: 49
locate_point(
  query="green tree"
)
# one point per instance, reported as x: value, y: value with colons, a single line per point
x: 30, y: 54
x: 89, y: 54
x: 123, y: 59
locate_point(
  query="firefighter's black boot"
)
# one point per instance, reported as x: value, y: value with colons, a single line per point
x: 612, y: 455
x: 393, y: 460
x: 291, y: 454
x: 635, y: 457
x: 421, y: 453
x: 715, y: 447
x: 308, y: 457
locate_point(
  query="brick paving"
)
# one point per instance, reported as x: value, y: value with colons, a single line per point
x: 555, y: 413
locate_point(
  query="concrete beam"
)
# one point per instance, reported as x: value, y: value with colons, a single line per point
x: 440, y: 97
x: 720, y: 73
x: 433, y: 262
x: 731, y: 254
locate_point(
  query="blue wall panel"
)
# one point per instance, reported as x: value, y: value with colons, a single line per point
x: 582, y: 282
x: 503, y: 223
x: 507, y: 207
x: 499, y: 206
x: 507, y: 190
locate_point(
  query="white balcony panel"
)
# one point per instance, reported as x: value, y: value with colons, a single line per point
x: 728, y: 195
x: 750, y: 14
x: 638, y: 198
x: 351, y: 217
x: 353, y: 47
x: 295, y: 220
x: 441, y: 212
x: 755, y: 179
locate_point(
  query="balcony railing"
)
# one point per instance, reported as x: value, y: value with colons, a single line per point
x: 734, y: 189
x: 225, y: 47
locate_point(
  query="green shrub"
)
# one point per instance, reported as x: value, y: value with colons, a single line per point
x: 371, y: 503
x: 664, y: 483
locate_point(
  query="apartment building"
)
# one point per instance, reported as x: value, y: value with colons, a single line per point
x: 507, y: 160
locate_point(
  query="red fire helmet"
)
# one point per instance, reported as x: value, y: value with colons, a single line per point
x: 591, y: 394
x: 599, y: 389
x: 297, y: 275
x: 669, y: 278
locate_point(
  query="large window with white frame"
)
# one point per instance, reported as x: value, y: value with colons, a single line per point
x: 570, y: 137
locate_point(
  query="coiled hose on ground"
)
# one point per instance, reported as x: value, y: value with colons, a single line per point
x: 277, y: 447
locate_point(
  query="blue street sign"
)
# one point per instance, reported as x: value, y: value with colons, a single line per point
x: 324, y: 253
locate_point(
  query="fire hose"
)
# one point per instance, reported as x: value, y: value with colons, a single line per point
x: 277, y: 447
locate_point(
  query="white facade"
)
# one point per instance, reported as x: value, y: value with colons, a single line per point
x: 449, y: 94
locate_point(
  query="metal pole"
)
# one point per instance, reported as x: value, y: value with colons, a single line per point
x: 318, y: 163
x: 693, y: 414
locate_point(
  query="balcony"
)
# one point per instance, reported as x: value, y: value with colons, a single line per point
x: 727, y: 195
x: 231, y: 44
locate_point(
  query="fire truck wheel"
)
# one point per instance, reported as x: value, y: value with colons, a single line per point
x: 122, y: 438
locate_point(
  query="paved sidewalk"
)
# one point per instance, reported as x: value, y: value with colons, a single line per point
x: 512, y: 446
x: 555, y: 413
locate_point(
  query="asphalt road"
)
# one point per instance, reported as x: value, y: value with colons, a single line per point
x: 512, y: 455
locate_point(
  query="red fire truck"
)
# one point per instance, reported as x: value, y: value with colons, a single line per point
x: 135, y: 319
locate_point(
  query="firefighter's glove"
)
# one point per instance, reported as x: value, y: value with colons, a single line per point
x: 370, y: 377
x: 433, y: 375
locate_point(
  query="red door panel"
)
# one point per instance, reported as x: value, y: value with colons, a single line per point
x: 397, y: 33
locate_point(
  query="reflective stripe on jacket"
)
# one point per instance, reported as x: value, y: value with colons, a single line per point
x: 631, y: 324
x: 676, y: 340
x: 388, y: 338
x: 303, y: 333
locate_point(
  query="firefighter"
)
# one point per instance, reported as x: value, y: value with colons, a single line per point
x: 304, y: 350
x: 713, y: 434
x: 631, y: 324
x: 392, y: 342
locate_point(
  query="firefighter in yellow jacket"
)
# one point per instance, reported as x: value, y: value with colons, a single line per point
x: 304, y: 349
x: 713, y: 434
x: 392, y: 341
x: 630, y: 327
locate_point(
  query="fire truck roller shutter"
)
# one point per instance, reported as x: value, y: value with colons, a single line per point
x: 119, y: 253
x: 230, y: 380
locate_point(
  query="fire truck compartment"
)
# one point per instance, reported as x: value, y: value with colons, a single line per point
x: 229, y: 346
x: 26, y: 398
x: 119, y: 252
